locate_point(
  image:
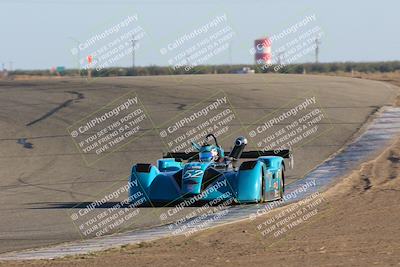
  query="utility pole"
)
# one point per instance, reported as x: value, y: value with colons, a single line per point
x: 11, y: 65
x: 230, y: 53
x: 280, y: 57
x: 317, y: 43
x: 187, y: 61
x: 78, y: 54
x: 133, y: 54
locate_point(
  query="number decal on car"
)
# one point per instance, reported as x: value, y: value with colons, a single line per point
x: 193, y: 174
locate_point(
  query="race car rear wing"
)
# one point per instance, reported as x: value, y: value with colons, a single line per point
x: 181, y: 155
x: 285, y: 153
x: 260, y: 153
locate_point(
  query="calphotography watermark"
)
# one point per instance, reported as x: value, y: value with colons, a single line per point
x: 294, y: 195
x: 110, y: 46
x: 203, y: 217
x: 200, y: 46
x: 291, y: 217
x: 214, y: 115
x: 109, y: 128
x: 290, y: 126
x: 290, y: 45
x: 110, y: 213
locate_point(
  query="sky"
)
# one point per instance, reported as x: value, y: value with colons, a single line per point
x: 40, y: 34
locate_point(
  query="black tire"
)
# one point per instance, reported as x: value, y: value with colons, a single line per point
x: 282, y: 182
x: 283, y: 176
x: 262, y: 195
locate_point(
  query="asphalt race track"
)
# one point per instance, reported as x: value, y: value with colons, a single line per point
x: 43, y: 176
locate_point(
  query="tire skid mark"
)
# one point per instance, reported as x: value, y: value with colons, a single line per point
x: 56, y: 109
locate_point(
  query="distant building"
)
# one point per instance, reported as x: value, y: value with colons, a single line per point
x: 245, y: 70
x: 4, y: 74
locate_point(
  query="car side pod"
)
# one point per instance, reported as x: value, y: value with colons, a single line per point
x: 272, y: 161
x: 142, y: 176
x: 249, y: 182
x: 169, y: 164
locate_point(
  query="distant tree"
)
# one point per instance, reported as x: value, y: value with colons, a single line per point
x: 333, y: 67
x: 319, y: 68
x: 385, y: 68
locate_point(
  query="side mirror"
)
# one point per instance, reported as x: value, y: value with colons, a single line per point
x: 237, y: 150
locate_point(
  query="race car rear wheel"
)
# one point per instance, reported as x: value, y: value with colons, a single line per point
x: 283, y: 176
x: 281, y: 182
x: 262, y: 190
x: 262, y: 194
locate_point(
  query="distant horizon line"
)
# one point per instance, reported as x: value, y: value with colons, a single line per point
x: 210, y: 65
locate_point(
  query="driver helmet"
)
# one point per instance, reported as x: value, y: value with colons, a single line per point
x: 209, y: 155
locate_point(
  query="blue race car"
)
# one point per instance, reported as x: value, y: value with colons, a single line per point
x: 209, y: 174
